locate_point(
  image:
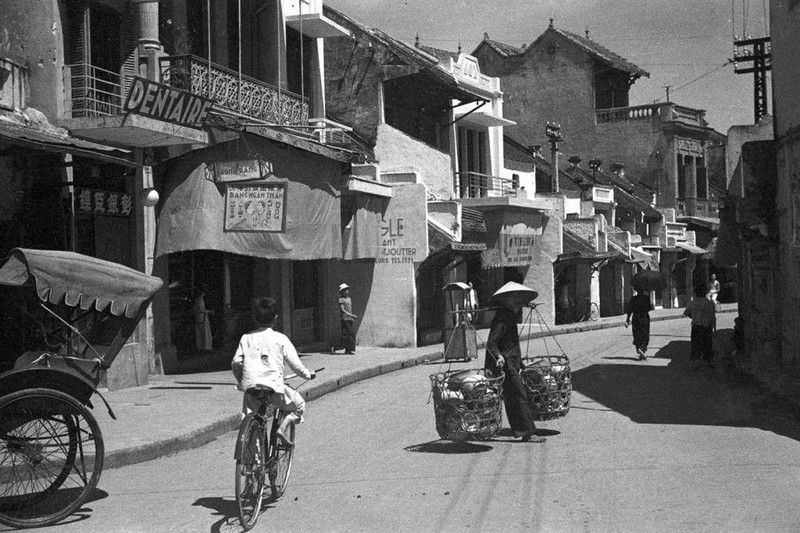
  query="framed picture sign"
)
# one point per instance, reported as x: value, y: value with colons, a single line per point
x: 255, y: 207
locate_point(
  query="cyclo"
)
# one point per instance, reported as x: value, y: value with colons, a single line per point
x: 76, y: 314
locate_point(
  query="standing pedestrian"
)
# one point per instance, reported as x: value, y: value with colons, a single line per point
x: 704, y: 322
x: 202, y: 324
x: 503, y: 354
x: 639, y: 308
x: 347, y: 321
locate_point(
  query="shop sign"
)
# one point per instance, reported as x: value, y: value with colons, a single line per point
x: 162, y: 102
x: 519, y: 249
x: 255, y: 208
x: 115, y: 204
x: 241, y: 170
x: 404, y: 226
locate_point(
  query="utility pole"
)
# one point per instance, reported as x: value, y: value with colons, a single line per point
x: 754, y: 56
x: 668, y: 87
x: 553, y: 132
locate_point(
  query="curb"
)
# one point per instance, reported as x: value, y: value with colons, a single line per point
x: 206, y: 434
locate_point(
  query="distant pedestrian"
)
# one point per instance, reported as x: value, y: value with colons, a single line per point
x: 713, y: 289
x: 347, y: 321
x: 704, y: 322
x: 202, y: 324
x: 638, y: 311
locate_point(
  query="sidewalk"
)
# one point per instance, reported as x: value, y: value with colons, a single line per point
x: 179, y: 412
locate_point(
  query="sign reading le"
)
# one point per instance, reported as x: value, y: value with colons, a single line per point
x: 166, y: 103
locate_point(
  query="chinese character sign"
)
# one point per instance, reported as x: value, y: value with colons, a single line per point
x: 259, y: 207
x: 96, y: 202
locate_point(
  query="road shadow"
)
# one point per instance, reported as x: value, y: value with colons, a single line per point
x: 682, y: 392
x: 448, y: 447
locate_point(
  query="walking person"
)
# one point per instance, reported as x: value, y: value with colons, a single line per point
x: 638, y: 309
x: 713, y: 289
x: 347, y: 320
x: 704, y: 323
x: 503, y: 354
x: 202, y: 324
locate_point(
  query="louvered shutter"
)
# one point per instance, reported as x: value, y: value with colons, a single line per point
x: 78, y: 79
x: 130, y: 50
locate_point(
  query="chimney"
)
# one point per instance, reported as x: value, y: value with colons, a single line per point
x: 574, y: 162
x: 618, y: 169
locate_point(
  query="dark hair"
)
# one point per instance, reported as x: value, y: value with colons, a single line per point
x: 700, y: 290
x: 265, y: 309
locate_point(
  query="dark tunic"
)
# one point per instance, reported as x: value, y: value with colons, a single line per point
x: 504, y: 340
x: 638, y: 309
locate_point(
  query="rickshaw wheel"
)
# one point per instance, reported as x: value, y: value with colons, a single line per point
x: 51, y: 457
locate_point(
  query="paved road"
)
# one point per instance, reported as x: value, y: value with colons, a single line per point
x: 650, y: 446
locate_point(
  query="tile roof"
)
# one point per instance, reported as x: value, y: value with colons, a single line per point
x: 604, y: 54
x: 440, y: 54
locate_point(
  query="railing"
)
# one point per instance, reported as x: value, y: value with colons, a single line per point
x: 92, y: 91
x: 477, y: 185
x: 234, y: 92
x: 618, y: 114
x: 702, y: 207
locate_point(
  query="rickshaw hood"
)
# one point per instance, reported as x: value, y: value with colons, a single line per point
x: 80, y: 280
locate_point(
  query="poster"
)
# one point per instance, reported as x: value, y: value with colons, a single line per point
x: 255, y: 208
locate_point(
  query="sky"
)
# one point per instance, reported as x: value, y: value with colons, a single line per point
x: 684, y: 44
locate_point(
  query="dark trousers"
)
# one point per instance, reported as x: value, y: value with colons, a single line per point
x: 348, y: 340
x: 515, y: 398
x: 702, y: 343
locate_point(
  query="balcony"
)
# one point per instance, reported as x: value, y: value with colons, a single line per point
x: 477, y: 185
x: 697, y: 207
x: 667, y: 112
x: 93, y: 109
x: 234, y: 92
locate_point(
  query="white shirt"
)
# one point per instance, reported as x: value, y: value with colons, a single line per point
x: 262, y: 354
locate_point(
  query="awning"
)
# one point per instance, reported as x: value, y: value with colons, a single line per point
x: 485, y: 120
x: 51, y: 140
x: 293, y: 214
x: 578, y: 250
x: 645, y: 259
x: 80, y: 281
x: 691, y: 248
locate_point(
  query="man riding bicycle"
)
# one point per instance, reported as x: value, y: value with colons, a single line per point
x: 259, y: 363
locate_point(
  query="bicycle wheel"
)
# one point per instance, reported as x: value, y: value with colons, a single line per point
x: 280, y: 459
x: 594, y: 312
x: 51, y: 457
x: 250, y: 471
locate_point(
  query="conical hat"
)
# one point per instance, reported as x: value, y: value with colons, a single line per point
x: 515, y: 291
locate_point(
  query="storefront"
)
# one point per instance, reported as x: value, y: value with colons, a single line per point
x: 248, y: 217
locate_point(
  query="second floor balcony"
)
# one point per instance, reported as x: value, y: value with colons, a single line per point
x: 477, y: 185
x: 697, y: 207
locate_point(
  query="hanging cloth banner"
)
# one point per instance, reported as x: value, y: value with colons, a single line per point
x: 292, y: 214
x: 514, y: 239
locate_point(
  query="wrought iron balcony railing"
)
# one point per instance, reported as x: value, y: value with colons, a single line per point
x: 234, y: 92
x: 92, y: 91
x: 477, y: 185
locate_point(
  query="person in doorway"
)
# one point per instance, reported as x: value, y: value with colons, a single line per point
x: 638, y: 308
x: 503, y: 354
x: 259, y: 362
x: 704, y: 323
x: 713, y: 289
x: 347, y: 320
x: 202, y: 323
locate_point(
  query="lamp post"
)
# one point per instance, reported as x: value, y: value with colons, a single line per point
x: 553, y: 132
x: 595, y: 164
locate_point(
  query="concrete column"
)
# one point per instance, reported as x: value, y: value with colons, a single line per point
x: 148, y: 24
x: 145, y: 240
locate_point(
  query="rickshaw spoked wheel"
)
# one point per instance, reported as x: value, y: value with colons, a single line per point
x: 51, y: 457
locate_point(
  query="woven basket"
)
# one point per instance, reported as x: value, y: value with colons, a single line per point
x: 548, y: 380
x: 468, y: 404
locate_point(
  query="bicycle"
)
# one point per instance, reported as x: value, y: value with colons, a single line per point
x: 260, y: 455
x: 593, y: 314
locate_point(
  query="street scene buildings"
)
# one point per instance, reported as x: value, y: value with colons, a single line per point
x: 284, y: 147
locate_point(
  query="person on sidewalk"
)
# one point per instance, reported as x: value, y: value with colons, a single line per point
x: 639, y: 308
x: 503, y: 354
x: 202, y: 324
x: 347, y: 320
x: 259, y: 363
x: 713, y: 290
x: 704, y: 323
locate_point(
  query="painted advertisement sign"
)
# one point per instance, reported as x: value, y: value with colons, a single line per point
x: 518, y: 241
x: 255, y: 208
x: 91, y: 201
x: 404, y: 227
x: 162, y: 102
